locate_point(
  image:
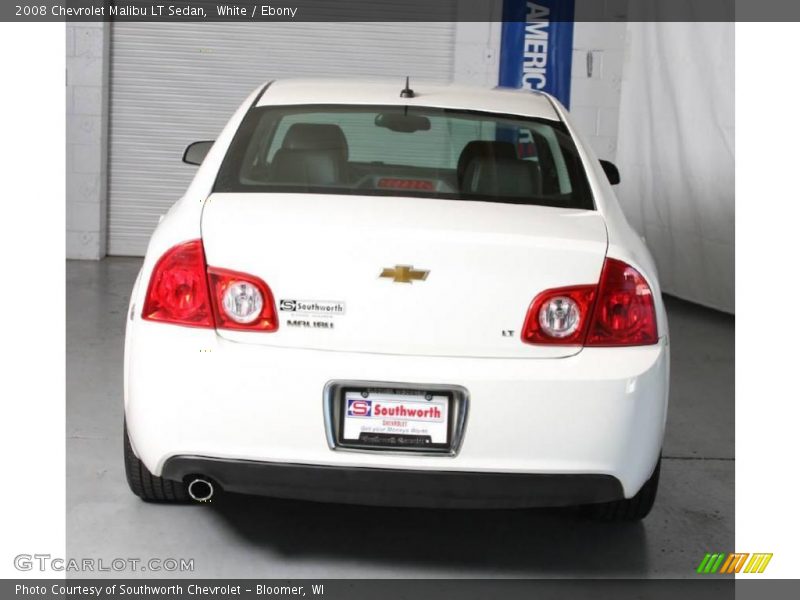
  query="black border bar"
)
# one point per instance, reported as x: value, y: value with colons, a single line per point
x: 385, y: 11
x: 385, y: 589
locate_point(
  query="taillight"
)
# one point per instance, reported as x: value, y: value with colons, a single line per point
x: 559, y: 316
x: 624, y: 314
x: 619, y: 311
x: 178, y: 291
x: 242, y: 301
x: 184, y: 291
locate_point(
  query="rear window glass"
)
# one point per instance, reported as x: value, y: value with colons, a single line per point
x: 391, y: 150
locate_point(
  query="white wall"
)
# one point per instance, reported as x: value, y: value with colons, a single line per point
x: 477, y: 51
x: 87, y: 135
x: 680, y: 200
x: 676, y: 155
x: 595, y: 98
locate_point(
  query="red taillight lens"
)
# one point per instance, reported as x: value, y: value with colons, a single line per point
x: 184, y: 291
x: 559, y: 316
x: 178, y: 292
x: 242, y: 301
x: 619, y: 311
x: 624, y: 314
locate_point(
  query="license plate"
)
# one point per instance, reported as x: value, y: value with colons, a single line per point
x: 396, y: 419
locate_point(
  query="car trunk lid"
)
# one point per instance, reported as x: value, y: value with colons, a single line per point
x: 402, y: 275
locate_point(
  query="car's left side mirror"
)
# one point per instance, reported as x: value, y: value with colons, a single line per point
x: 611, y: 171
x: 196, y: 152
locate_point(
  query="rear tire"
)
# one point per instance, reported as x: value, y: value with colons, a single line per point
x: 146, y: 485
x: 628, y: 509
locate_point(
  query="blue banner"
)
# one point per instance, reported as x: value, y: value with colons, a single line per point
x: 536, y: 48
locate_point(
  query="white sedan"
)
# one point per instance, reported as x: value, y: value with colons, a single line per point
x: 383, y: 295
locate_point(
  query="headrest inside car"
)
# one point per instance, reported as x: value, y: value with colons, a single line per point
x: 315, y: 136
x: 483, y: 148
x: 500, y: 177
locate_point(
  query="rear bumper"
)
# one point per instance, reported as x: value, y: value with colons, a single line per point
x: 396, y: 487
x: 190, y: 393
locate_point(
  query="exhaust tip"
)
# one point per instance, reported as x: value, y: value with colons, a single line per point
x: 200, y: 489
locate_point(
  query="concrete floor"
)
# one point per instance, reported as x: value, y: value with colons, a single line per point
x: 253, y: 537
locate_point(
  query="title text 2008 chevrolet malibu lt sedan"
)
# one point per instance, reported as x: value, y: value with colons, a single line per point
x: 373, y: 294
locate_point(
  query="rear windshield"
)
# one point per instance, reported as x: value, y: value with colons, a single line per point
x: 405, y: 151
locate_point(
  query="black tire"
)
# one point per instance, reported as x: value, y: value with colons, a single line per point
x: 146, y: 485
x: 630, y: 509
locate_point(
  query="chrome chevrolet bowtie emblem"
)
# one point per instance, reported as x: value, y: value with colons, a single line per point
x: 404, y: 274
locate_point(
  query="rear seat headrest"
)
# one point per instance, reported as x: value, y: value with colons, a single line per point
x: 490, y: 176
x: 315, y: 136
x: 483, y: 148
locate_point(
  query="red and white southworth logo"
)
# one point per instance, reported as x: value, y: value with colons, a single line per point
x: 414, y: 411
x: 408, y: 411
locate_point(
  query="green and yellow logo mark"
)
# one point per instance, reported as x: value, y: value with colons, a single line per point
x: 728, y: 563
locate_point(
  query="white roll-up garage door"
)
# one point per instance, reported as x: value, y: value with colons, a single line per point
x: 172, y: 84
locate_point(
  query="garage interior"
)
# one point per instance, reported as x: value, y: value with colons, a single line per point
x: 138, y: 93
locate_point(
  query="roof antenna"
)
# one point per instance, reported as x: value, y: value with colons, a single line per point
x: 407, y: 92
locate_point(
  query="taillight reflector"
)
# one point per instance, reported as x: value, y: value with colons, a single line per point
x: 619, y: 311
x: 624, y: 314
x: 264, y: 316
x: 536, y: 330
x: 184, y: 291
x: 178, y: 291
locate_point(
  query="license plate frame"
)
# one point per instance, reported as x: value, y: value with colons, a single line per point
x: 336, y: 393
